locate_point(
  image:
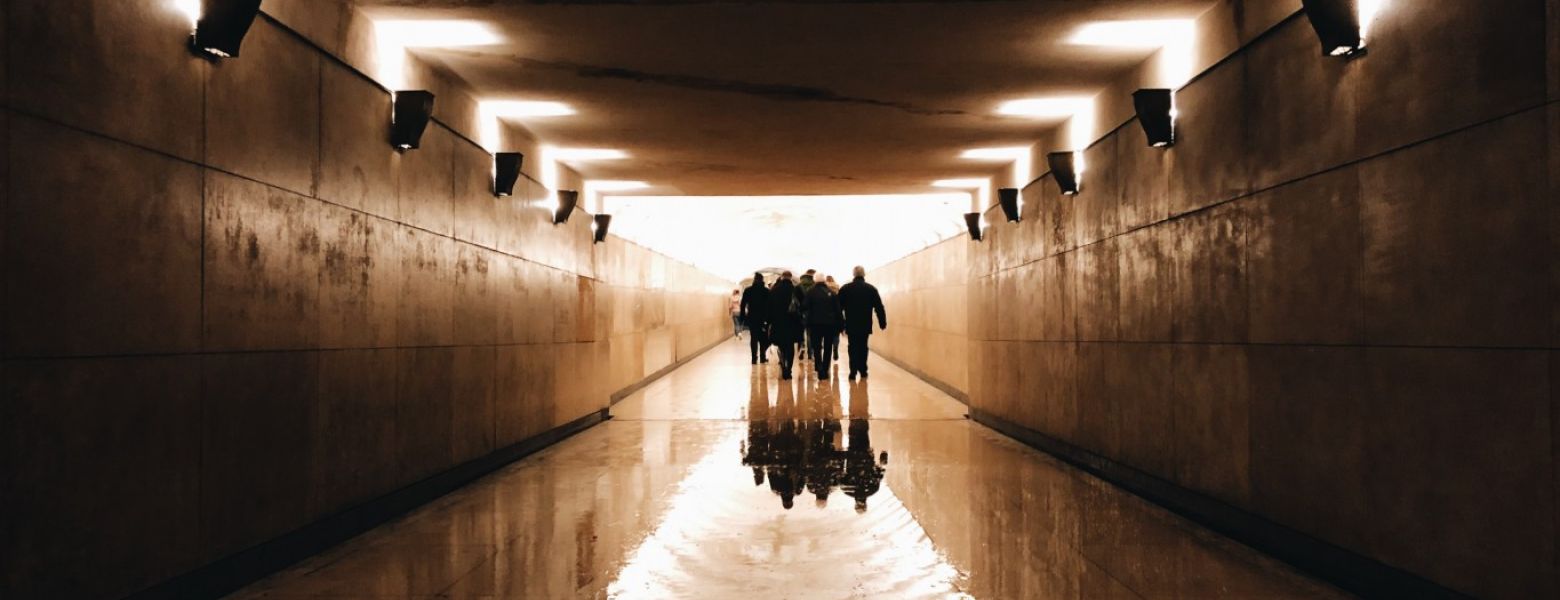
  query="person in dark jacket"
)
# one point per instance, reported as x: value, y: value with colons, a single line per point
x: 824, y: 320
x: 785, y: 322
x: 859, y: 301
x: 834, y: 287
x: 755, y: 313
x: 804, y: 283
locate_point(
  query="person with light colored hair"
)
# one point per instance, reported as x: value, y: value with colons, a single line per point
x: 824, y: 321
x: 860, y: 301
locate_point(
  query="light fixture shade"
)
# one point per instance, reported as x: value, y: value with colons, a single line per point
x: 972, y: 221
x: 1008, y: 198
x: 567, y: 200
x: 506, y: 171
x: 1156, y: 113
x: 602, y: 222
x: 1337, y: 25
x: 222, y: 25
x: 413, y: 110
x: 1064, y: 169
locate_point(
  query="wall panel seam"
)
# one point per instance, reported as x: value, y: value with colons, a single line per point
x: 1255, y: 192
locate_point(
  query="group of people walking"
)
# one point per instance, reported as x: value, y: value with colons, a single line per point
x: 810, y: 315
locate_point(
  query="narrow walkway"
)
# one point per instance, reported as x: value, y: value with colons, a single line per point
x: 720, y: 481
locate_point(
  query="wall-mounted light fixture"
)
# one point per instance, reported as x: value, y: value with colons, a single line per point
x: 567, y: 200
x: 413, y: 110
x: 1064, y: 169
x: 972, y: 221
x: 506, y: 171
x: 598, y: 227
x: 1156, y: 113
x: 1338, y: 26
x: 222, y: 25
x: 1008, y: 199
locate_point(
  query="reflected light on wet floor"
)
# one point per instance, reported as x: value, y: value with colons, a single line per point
x: 720, y: 481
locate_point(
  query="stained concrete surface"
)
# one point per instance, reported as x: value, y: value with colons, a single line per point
x: 1300, y: 307
x: 64, y: 299
x: 126, y: 74
x: 262, y: 113
x: 684, y: 494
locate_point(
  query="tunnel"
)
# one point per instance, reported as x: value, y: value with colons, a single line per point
x: 752, y: 299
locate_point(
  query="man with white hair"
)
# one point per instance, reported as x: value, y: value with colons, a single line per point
x: 859, y: 300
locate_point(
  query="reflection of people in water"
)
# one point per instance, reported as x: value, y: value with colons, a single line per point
x: 797, y: 445
x: 862, y: 475
x: 824, y: 460
x: 785, y: 444
x: 757, y: 445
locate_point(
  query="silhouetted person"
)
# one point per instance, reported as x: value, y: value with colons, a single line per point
x: 859, y: 300
x: 803, y: 284
x: 834, y: 287
x: 824, y: 321
x: 785, y: 322
x: 755, y: 313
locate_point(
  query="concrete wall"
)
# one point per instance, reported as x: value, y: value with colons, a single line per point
x: 1333, y: 304
x: 229, y: 308
x: 924, y: 295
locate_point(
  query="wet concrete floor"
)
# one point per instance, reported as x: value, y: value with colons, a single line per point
x: 722, y: 481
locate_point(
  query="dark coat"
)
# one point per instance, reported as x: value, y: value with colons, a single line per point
x: 822, y: 308
x: 859, y: 300
x: 784, y: 326
x: 755, y: 304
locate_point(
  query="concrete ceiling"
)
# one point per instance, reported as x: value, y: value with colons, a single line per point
x: 713, y: 97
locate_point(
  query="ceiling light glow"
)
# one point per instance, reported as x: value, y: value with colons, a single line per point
x: 1146, y: 34
x: 524, y: 109
x: 436, y: 34
x: 1009, y: 153
x: 1020, y: 156
x: 960, y: 184
x: 1176, y: 40
x: 190, y: 8
x: 595, y: 187
x: 1046, y: 107
x: 393, y: 38
x: 490, y: 111
x: 1369, y: 10
x: 570, y: 154
x: 1079, y: 110
x: 615, y: 186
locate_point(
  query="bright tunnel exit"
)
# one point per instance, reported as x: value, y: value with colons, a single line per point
x: 732, y: 236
